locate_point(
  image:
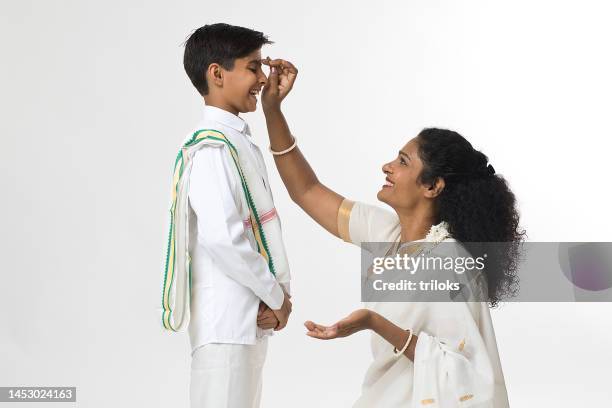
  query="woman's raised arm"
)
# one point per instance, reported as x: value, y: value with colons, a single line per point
x: 318, y: 201
x: 304, y: 188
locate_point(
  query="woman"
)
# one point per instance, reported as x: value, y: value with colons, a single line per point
x: 434, y: 354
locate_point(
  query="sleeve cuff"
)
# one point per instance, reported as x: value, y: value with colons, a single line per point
x: 276, y: 297
x: 423, y: 347
x: 287, y: 287
x: 344, y: 216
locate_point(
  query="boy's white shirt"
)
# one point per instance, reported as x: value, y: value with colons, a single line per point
x: 229, y: 275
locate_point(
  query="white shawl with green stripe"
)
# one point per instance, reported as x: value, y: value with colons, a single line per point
x: 264, y: 223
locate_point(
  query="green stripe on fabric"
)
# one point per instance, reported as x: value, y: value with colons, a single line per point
x: 173, y: 241
x: 180, y: 160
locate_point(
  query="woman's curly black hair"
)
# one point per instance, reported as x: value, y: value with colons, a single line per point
x: 477, y: 204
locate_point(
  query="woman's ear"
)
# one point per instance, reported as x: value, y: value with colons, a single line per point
x: 214, y: 75
x: 436, y: 188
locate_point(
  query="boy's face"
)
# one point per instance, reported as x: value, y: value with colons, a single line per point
x: 242, y: 85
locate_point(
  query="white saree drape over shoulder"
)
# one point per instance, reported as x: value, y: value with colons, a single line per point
x: 456, y: 359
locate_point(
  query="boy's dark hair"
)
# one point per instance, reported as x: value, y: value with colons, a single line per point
x: 218, y: 43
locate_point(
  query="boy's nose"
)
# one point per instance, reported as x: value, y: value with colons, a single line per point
x: 263, y: 79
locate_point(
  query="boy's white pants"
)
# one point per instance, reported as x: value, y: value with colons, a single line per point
x: 227, y: 375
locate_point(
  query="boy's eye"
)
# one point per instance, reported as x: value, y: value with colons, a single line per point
x: 253, y: 70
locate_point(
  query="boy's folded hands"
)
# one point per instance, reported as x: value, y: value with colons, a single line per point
x: 266, y: 319
x: 274, y: 319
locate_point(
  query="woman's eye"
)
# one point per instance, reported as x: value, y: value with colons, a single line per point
x: 402, y: 161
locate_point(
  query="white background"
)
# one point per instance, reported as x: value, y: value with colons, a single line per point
x: 95, y: 102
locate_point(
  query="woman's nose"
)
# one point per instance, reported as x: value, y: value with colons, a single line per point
x: 386, y: 168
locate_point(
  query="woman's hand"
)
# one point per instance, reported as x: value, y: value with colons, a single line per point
x: 280, y: 82
x: 356, y: 321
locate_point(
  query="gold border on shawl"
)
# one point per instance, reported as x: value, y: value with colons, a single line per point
x: 344, y: 216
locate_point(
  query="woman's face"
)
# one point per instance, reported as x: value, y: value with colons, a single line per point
x: 401, y: 189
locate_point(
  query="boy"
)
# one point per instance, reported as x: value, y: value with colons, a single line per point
x: 227, y: 275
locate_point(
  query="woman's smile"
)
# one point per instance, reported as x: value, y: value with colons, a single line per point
x: 388, y: 183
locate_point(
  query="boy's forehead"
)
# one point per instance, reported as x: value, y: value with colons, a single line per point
x: 255, y: 56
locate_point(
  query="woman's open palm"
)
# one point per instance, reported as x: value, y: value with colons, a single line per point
x: 356, y: 321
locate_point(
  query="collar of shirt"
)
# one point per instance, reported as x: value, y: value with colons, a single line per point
x: 228, y: 119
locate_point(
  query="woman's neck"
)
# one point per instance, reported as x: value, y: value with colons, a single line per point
x: 415, y: 226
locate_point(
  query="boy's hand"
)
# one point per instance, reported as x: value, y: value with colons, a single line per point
x: 283, y: 313
x: 266, y: 319
x: 280, y: 82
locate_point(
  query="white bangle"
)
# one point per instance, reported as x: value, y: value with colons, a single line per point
x: 286, y: 150
x: 399, y: 353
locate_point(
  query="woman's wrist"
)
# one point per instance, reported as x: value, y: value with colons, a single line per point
x: 394, y: 334
x: 373, y: 321
x: 272, y: 111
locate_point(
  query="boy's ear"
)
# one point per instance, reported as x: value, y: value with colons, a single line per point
x: 214, y: 74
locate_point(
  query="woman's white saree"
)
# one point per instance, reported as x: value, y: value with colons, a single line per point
x: 456, y: 358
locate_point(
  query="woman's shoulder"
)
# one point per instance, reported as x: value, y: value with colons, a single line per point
x: 371, y: 223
